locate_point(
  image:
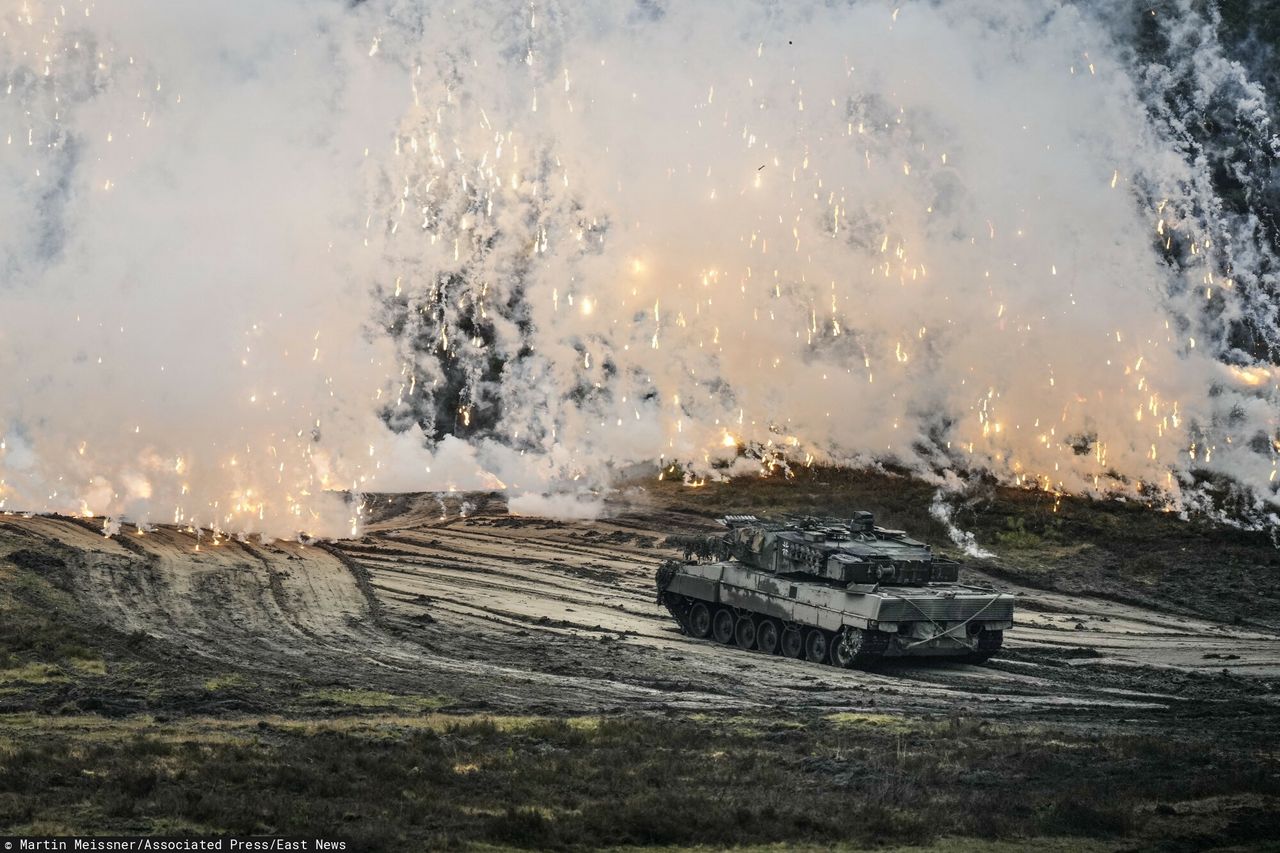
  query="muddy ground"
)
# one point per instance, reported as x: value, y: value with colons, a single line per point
x: 1130, y: 624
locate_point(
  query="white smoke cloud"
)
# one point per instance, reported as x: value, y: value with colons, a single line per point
x: 559, y: 505
x: 943, y: 509
x: 599, y: 234
x: 183, y: 308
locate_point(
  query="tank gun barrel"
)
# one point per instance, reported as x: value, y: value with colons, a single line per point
x: 712, y: 546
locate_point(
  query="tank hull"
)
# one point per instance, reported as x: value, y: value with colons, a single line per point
x: 861, y: 623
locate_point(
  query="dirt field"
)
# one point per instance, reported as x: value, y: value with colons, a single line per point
x: 450, y: 606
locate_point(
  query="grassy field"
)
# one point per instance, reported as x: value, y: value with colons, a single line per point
x: 427, y: 780
x: 102, y: 732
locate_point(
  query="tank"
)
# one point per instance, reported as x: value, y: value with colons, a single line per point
x: 840, y: 591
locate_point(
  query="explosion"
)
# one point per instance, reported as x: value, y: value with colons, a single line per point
x: 256, y: 259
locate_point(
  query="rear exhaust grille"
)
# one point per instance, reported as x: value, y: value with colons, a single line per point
x: 944, y: 610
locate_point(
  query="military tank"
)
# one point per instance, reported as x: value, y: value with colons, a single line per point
x: 831, y: 590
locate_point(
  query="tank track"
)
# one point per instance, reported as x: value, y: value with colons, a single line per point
x: 679, y: 607
x: 850, y: 648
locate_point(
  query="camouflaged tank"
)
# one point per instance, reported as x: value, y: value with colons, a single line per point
x: 839, y: 591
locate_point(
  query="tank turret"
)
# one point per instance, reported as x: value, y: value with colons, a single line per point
x: 841, y: 550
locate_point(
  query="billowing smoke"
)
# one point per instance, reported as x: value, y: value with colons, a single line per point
x: 254, y: 255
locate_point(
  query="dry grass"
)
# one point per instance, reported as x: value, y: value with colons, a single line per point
x: 442, y: 781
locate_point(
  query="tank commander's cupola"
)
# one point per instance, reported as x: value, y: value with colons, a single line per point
x: 862, y: 522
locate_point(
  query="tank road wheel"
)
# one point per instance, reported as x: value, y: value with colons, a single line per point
x: 722, y: 625
x: 792, y: 642
x: 745, y: 632
x: 767, y: 636
x: 699, y: 621
x: 817, y: 645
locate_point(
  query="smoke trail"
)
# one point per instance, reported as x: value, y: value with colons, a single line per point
x: 967, y: 237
